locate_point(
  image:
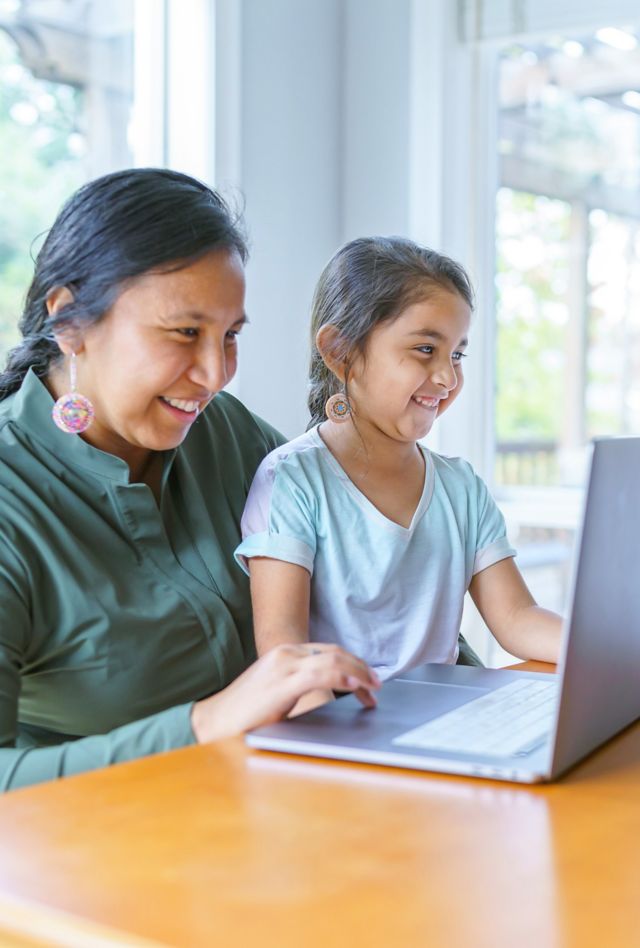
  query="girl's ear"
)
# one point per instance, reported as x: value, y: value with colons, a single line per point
x: 333, y: 350
x: 69, y: 338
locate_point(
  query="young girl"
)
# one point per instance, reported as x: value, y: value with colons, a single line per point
x: 355, y: 533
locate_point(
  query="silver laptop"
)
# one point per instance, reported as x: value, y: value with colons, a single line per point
x: 510, y: 725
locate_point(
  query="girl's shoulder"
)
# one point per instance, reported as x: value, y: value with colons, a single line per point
x: 450, y: 467
x: 456, y: 477
x: 301, y: 453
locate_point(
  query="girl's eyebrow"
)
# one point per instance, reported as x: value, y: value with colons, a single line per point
x: 434, y: 334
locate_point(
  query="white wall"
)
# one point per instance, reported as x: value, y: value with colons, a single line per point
x: 333, y: 118
x: 290, y: 176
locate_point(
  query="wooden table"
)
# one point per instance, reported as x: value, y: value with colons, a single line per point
x: 224, y: 846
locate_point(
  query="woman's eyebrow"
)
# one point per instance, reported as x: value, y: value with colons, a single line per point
x: 434, y: 334
x: 197, y: 317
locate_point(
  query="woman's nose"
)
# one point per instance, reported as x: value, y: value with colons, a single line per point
x: 211, y: 369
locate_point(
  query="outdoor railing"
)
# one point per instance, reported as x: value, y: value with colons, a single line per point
x: 530, y: 463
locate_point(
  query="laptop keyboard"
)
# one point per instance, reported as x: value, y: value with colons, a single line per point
x: 513, y: 719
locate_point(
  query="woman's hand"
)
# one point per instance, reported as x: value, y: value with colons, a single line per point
x: 270, y: 688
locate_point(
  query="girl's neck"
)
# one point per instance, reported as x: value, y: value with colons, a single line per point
x: 369, y: 454
x: 391, y: 477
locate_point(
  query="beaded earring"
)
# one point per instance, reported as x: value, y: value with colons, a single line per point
x: 73, y: 413
x: 337, y: 408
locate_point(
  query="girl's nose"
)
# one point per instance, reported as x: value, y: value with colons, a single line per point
x: 445, y: 375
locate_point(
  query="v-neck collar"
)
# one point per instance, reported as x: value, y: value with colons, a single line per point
x: 363, y: 500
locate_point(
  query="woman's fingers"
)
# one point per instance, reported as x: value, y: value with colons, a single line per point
x: 329, y: 666
x: 366, y: 697
x: 269, y: 689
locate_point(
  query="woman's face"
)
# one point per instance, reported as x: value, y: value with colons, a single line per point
x: 160, y: 354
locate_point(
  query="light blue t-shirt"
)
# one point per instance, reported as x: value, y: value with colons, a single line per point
x: 392, y: 595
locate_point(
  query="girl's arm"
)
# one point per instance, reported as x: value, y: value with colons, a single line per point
x: 521, y: 626
x: 280, y: 601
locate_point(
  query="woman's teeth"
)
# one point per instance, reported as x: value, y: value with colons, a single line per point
x: 182, y: 404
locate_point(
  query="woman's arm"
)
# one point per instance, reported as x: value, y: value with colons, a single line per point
x: 25, y: 765
x: 265, y: 692
x: 521, y: 626
x: 22, y: 760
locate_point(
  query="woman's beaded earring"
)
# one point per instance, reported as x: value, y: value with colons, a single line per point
x: 73, y: 413
x: 337, y: 408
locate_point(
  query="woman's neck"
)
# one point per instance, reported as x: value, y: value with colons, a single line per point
x: 142, y: 462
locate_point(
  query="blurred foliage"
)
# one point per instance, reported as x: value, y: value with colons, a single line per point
x: 39, y: 168
x: 532, y: 315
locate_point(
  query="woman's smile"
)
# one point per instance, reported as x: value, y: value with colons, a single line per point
x: 186, y: 410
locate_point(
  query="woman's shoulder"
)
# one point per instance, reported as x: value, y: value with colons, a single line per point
x: 231, y: 437
x: 6, y: 417
x: 227, y: 419
x: 15, y: 450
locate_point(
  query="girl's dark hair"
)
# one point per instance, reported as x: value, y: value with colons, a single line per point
x: 111, y: 230
x: 367, y: 282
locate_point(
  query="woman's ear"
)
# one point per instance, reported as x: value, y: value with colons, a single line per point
x: 68, y: 337
x: 332, y: 348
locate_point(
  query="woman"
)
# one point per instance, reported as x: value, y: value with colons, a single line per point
x: 123, y: 617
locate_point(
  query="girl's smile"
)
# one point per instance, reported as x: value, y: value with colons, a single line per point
x: 424, y: 401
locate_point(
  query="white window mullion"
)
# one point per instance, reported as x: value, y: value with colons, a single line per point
x: 148, y: 129
x: 190, y: 87
x: 482, y: 20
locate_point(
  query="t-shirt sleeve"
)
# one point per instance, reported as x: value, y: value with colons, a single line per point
x: 21, y: 766
x: 278, y: 520
x: 492, y: 543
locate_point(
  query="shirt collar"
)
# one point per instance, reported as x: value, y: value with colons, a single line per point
x: 31, y: 411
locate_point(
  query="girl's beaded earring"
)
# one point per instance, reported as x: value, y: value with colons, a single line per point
x: 73, y: 413
x: 337, y: 408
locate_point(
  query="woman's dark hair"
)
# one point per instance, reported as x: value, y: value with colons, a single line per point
x: 111, y: 230
x: 367, y: 282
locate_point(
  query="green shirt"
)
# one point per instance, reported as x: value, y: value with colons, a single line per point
x: 116, y: 613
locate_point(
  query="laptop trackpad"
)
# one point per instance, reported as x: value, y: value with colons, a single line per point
x: 401, y: 705
x: 421, y: 701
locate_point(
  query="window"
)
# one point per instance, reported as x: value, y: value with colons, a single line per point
x: 554, y: 109
x: 567, y: 218
x: 65, y: 107
x: 567, y: 281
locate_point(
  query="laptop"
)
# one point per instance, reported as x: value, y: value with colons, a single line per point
x: 520, y: 726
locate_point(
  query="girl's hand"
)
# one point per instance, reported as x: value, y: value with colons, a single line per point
x: 271, y: 687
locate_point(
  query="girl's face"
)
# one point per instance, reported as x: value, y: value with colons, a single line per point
x: 160, y: 354
x: 411, y: 370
